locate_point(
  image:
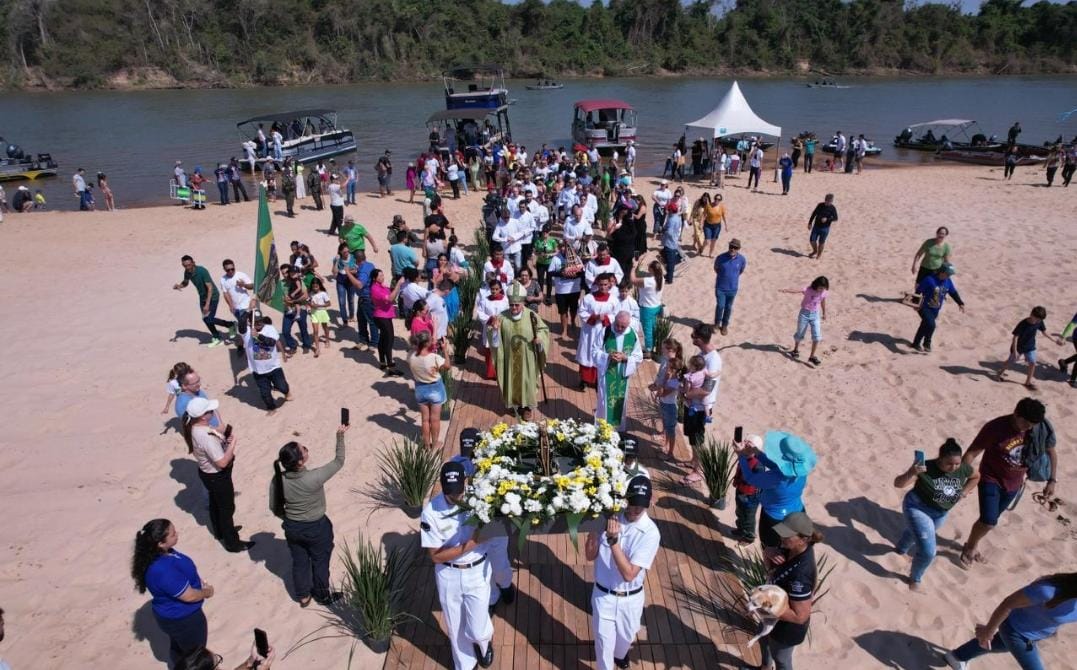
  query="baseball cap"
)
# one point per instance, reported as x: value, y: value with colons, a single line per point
x: 452, y: 478
x: 639, y: 491
x: 948, y: 268
x: 735, y: 243
x: 199, y: 406
x: 629, y: 445
x: 755, y: 441
x: 797, y: 523
x: 469, y: 437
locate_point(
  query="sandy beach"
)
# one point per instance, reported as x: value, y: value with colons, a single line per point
x: 94, y: 327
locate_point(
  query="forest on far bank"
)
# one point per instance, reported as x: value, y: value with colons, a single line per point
x: 153, y: 43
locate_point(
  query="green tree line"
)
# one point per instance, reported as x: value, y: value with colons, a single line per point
x: 85, y: 43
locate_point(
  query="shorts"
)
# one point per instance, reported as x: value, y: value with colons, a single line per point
x: 567, y: 302
x: 383, y: 180
x: 1029, y: 356
x: 819, y: 234
x: 669, y: 418
x: 711, y: 230
x: 993, y: 501
x: 319, y: 316
x: 430, y: 394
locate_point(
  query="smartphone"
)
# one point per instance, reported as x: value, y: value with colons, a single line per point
x: 738, y: 433
x: 918, y: 457
x: 261, y: 642
x: 228, y: 431
x: 345, y: 416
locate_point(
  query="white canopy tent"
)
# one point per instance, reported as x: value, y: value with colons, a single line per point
x: 733, y: 116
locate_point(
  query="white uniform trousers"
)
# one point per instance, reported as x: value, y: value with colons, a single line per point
x: 465, y: 595
x: 615, y: 622
x: 497, y: 553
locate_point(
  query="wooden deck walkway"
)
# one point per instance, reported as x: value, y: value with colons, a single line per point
x: 548, y: 625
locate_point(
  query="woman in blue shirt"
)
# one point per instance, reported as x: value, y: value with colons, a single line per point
x: 781, y: 475
x: 934, y: 289
x: 172, y: 579
x: 1024, y: 618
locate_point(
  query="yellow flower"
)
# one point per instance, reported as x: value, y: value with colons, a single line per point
x: 591, y: 490
x: 594, y: 462
x: 499, y: 429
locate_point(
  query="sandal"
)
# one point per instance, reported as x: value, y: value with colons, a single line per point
x: 692, y: 478
x: 794, y: 354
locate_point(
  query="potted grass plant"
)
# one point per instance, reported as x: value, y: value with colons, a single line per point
x: 461, y: 331
x: 663, y: 328
x: 410, y: 470
x: 375, y: 583
x: 717, y: 460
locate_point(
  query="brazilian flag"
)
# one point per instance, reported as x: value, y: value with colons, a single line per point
x: 266, y: 267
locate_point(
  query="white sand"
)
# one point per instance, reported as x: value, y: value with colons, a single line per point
x: 93, y: 326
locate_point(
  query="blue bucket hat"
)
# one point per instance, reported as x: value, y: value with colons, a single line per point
x: 793, y: 455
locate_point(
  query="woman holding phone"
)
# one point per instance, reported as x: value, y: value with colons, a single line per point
x: 939, y: 484
x: 215, y: 453
x: 177, y: 589
x: 297, y: 495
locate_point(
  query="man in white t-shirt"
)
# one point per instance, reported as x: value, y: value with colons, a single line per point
x: 755, y: 166
x: 695, y: 423
x: 265, y: 356
x: 528, y: 227
x: 336, y: 204
x: 576, y: 228
x: 435, y: 303
x: 510, y: 234
x: 236, y: 288
x: 630, y: 158
x: 661, y: 198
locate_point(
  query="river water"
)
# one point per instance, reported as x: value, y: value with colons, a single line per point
x: 135, y: 137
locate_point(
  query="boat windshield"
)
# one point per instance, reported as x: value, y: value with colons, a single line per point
x: 291, y: 125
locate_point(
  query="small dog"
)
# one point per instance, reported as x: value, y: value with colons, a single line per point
x: 766, y: 603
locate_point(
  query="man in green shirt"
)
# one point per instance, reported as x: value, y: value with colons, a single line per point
x: 208, y: 297
x: 355, y: 236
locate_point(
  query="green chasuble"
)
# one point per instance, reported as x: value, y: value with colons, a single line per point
x: 616, y: 382
x: 517, y: 366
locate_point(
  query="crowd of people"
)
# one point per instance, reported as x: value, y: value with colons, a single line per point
x: 567, y: 230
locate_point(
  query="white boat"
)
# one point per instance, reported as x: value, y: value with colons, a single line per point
x: 309, y: 135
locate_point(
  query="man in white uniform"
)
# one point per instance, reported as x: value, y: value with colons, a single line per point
x: 616, y: 357
x: 575, y: 228
x: 661, y: 198
x: 622, y: 556
x: 509, y: 233
x: 603, y: 263
x: 597, y: 311
x: 461, y: 570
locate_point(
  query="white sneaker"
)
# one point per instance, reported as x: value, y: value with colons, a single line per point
x: 954, y: 663
x: 215, y: 343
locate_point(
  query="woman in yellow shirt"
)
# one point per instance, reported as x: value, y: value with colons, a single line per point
x: 713, y: 218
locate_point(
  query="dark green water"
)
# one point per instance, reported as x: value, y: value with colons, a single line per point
x: 135, y: 137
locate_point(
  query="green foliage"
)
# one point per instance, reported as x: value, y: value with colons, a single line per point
x: 450, y: 391
x: 717, y: 460
x: 410, y: 469
x: 663, y: 328
x: 374, y: 585
x: 84, y: 42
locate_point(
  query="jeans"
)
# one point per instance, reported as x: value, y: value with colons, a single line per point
x: 514, y: 257
x: 364, y: 321
x: 350, y: 198
x: 185, y: 634
x: 338, y: 218
x: 242, y: 323
x: 286, y: 329
x: 723, y: 311
x: 670, y: 257
x: 927, y: 327
x: 776, y: 653
x: 787, y: 179
x: 1006, y: 639
x: 924, y: 521
x: 222, y: 505
x: 648, y: 317
x: 746, y: 507
x: 346, y: 295
x: 808, y: 160
x: 753, y: 173
x: 222, y: 188
x: 239, y: 189
x: 808, y: 318
x: 311, y: 545
x: 659, y: 219
x: 385, y: 340
x: 212, y: 321
x: 267, y: 382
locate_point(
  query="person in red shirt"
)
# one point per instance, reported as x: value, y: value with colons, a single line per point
x: 1002, y: 471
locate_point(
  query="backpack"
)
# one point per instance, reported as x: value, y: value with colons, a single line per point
x: 1035, y: 457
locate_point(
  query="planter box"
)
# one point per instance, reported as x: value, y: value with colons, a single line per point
x: 501, y: 527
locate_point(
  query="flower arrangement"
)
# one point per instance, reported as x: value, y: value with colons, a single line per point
x: 532, y: 473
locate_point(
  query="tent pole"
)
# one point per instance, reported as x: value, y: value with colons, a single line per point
x: 777, y: 152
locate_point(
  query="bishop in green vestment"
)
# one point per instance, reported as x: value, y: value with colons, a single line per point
x: 525, y: 339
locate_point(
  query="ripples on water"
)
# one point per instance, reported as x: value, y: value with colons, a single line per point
x: 135, y: 137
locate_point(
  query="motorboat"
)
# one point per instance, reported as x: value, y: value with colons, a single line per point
x: 944, y: 134
x: 15, y: 163
x: 475, y: 87
x: 831, y: 147
x: 605, y: 124
x: 985, y: 157
x: 545, y: 85
x: 309, y: 135
x: 826, y: 84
